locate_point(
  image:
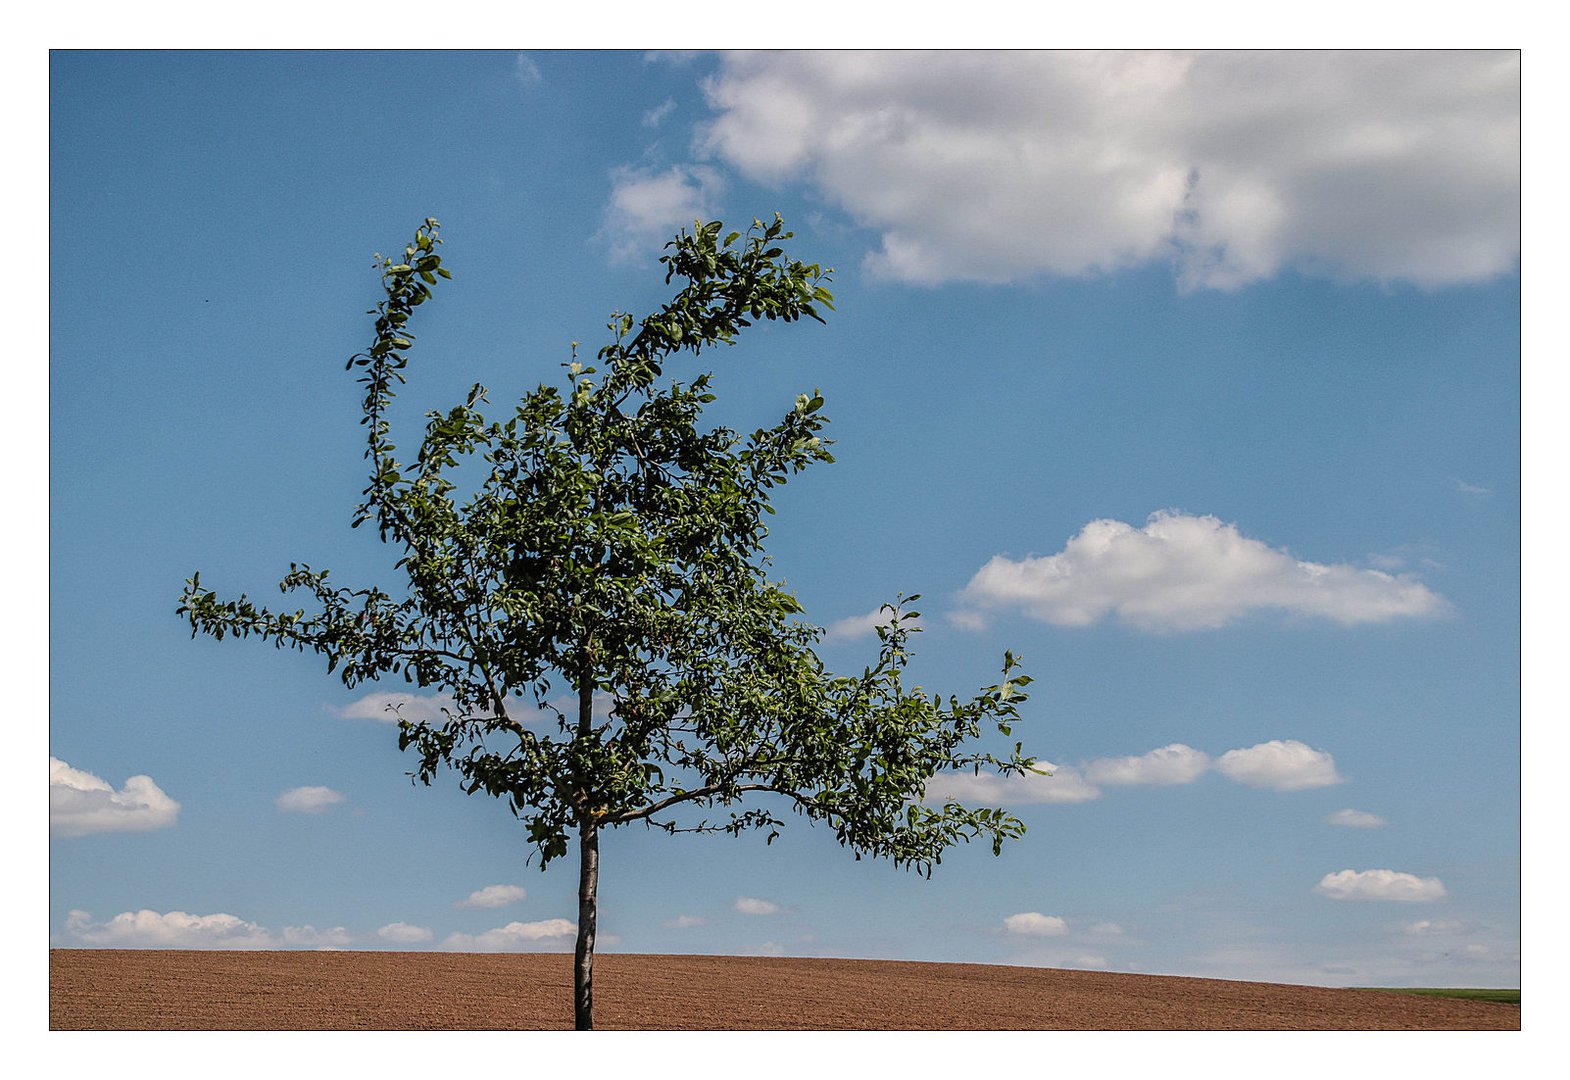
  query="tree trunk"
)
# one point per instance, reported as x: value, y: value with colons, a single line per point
x: 588, y: 915
x: 588, y: 876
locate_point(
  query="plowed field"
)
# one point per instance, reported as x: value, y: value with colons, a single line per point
x: 151, y: 989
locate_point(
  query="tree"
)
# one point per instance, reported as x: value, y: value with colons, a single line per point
x: 614, y: 550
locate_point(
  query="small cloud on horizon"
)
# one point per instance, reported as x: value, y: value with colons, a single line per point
x: 1380, y: 885
x: 1035, y: 924
x: 516, y: 937
x: 401, y: 933
x: 493, y: 896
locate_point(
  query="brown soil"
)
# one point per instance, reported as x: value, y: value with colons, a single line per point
x: 154, y: 989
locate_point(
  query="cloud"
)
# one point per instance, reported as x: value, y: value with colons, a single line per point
x: 1281, y: 765
x: 1379, y: 885
x: 1356, y: 819
x: 309, y: 937
x: 514, y: 937
x: 654, y: 116
x: 172, y: 930
x: 81, y: 803
x: 1231, y: 166
x: 1035, y: 924
x: 308, y: 800
x: 1174, y: 764
x: 1432, y: 926
x: 389, y: 708
x: 1186, y: 572
x: 1471, y: 489
x: 647, y: 207
x: 401, y: 933
x: 860, y: 626
x: 493, y: 896
x: 683, y: 922
x: 751, y: 905
x: 526, y: 71
x: 1065, y: 785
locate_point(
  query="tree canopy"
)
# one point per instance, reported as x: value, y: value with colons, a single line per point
x: 613, y: 551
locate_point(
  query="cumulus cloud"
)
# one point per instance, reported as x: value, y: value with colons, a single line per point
x: 648, y: 206
x: 1174, y: 764
x: 493, y: 896
x: 683, y: 922
x: 1231, y: 166
x: 1355, y: 819
x: 389, y: 708
x: 1035, y: 924
x: 752, y: 905
x: 1187, y: 572
x: 1379, y: 885
x: 81, y: 803
x: 860, y: 626
x: 515, y: 937
x: 147, y: 929
x: 1066, y: 784
x: 402, y: 933
x: 1281, y: 765
x: 312, y: 799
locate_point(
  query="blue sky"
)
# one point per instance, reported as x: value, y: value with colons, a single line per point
x: 1192, y: 379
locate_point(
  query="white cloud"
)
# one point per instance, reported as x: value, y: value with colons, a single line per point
x: 997, y: 166
x: 147, y: 929
x: 1379, y: 885
x: 493, y: 896
x: 967, y: 620
x: 751, y: 905
x: 1065, y: 785
x: 648, y: 207
x: 1281, y: 765
x: 860, y: 626
x: 1471, y: 489
x: 514, y: 937
x: 1174, y: 764
x: 1356, y: 819
x: 525, y: 70
x: 1187, y: 572
x: 683, y: 922
x: 81, y: 803
x: 1106, y: 930
x: 312, y: 799
x: 401, y: 933
x: 654, y: 116
x: 1035, y: 924
x: 389, y: 708
x: 1432, y: 926
x: 309, y: 937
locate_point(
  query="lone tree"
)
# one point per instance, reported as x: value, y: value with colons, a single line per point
x: 614, y: 551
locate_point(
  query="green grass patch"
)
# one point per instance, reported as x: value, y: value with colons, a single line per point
x: 1506, y: 997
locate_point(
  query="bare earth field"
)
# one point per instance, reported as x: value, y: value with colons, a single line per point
x: 180, y: 989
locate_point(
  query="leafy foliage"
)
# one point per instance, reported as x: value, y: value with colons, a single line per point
x: 615, y: 547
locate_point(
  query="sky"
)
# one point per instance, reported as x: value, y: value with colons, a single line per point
x: 1192, y: 379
